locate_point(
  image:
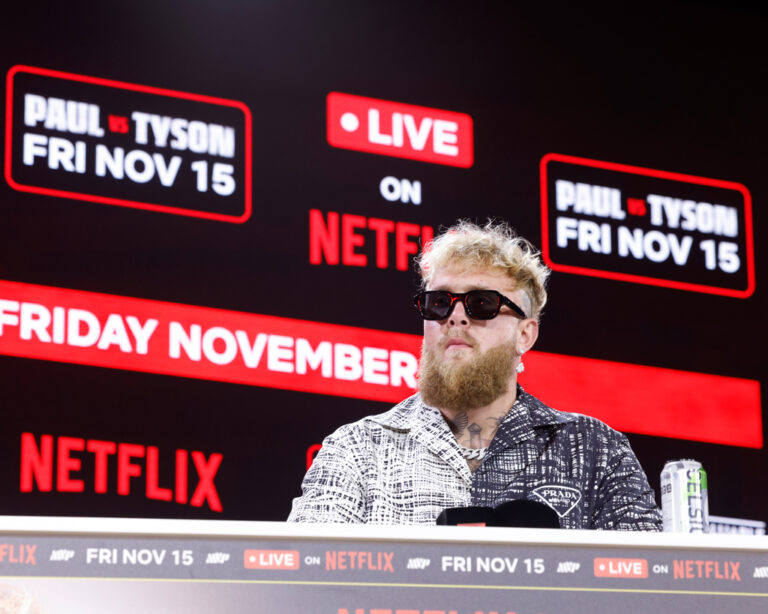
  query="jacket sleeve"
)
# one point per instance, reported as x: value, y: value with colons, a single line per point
x: 625, y: 500
x: 333, y: 489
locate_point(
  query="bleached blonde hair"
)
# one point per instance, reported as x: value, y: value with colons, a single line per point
x: 495, y: 246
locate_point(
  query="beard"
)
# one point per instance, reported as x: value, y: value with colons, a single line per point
x: 462, y: 386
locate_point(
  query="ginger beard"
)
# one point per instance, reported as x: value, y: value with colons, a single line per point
x: 469, y: 384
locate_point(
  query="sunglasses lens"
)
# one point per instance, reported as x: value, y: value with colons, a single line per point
x: 435, y: 305
x: 482, y: 304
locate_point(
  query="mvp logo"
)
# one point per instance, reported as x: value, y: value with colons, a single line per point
x: 418, y: 563
x: 568, y: 567
x: 562, y: 499
x: 216, y: 558
x: 62, y: 554
x: 400, y: 130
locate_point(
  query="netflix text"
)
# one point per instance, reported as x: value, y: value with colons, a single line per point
x: 348, y: 240
x: 718, y: 570
x: 56, y: 464
x: 340, y: 560
x: 22, y: 554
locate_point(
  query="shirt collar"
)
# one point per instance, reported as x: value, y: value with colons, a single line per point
x: 426, y: 425
x: 403, y: 416
x: 527, y: 413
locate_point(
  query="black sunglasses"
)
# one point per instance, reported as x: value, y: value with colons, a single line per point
x: 479, y: 304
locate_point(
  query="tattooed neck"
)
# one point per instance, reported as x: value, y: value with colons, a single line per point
x: 474, y: 431
x: 475, y: 439
x: 496, y: 421
x: 459, y: 423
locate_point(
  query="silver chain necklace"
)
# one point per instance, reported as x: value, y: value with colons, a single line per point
x: 473, y: 453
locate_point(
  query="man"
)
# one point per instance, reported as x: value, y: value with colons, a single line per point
x: 472, y: 435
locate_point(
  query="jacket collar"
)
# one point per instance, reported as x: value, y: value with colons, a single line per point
x: 427, y: 426
x: 527, y: 413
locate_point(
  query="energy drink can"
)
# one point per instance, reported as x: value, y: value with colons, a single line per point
x: 684, y: 502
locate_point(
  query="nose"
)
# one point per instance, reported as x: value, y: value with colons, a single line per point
x: 458, y: 316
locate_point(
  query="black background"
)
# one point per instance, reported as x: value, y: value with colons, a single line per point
x: 681, y: 89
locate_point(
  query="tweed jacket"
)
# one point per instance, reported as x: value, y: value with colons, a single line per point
x: 404, y: 467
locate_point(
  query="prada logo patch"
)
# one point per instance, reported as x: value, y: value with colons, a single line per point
x: 562, y: 499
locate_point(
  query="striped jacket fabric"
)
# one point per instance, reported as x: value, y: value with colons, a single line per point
x: 404, y: 467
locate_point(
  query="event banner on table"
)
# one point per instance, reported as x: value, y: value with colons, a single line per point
x: 121, y: 574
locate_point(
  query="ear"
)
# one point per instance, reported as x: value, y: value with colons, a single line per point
x: 527, y: 334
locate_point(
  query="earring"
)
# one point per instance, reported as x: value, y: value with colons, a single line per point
x: 520, y: 367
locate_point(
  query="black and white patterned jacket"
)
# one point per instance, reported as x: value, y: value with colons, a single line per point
x: 404, y: 467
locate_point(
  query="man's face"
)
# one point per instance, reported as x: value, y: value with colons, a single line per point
x: 458, y: 337
x: 469, y: 363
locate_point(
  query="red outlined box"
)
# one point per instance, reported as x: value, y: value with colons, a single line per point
x: 122, y: 202
x: 745, y: 292
x: 621, y: 568
x: 271, y: 559
x: 422, y: 133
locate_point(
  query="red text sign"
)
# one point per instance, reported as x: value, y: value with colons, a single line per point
x: 697, y: 569
x: 621, y: 568
x: 359, y: 560
x: 400, y: 130
x: 140, y: 335
x: 346, y: 243
x: 184, y: 340
x: 23, y: 554
x: 271, y: 559
x: 131, y: 465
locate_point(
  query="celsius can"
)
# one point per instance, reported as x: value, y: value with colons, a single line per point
x: 684, y: 503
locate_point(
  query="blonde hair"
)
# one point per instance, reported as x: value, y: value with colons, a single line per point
x: 493, y: 246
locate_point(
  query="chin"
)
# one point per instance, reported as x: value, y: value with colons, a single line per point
x: 458, y: 355
x: 457, y: 350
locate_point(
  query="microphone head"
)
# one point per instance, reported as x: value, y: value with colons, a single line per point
x: 524, y: 513
x: 468, y: 516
